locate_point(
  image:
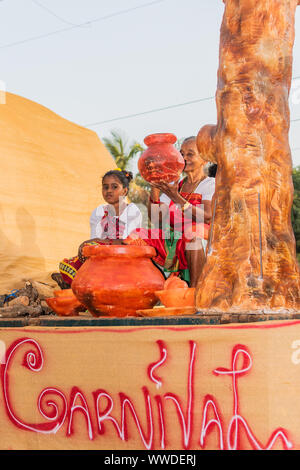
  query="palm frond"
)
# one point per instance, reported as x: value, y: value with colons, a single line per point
x: 118, y: 147
x: 112, y: 148
x: 135, y: 149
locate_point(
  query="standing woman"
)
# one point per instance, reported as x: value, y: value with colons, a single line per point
x: 181, y: 216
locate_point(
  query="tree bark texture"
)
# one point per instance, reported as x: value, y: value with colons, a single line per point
x: 251, y: 263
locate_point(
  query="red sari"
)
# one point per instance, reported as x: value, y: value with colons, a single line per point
x: 171, y: 243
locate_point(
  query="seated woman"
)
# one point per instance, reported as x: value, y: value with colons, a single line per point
x: 181, y: 217
x: 109, y: 223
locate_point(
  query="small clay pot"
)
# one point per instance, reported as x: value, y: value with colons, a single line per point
x: 161, y: 161
x: 177, y: 297
x: 117, y: 280
x: 65, y: 304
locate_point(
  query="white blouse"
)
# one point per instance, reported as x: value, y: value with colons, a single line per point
x: 131, y: 218
x: 206, y: 188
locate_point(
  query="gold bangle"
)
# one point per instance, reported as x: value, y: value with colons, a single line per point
x: 186, y: 206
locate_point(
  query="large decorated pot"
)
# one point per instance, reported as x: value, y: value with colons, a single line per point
x: 117, y: 280
x: 161, y: 161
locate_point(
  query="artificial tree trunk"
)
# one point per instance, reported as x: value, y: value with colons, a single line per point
x: 251, y: 263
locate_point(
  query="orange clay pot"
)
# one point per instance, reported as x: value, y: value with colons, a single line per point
x: 65, y: 303
x: 177, y: 297
x: 174, y: 282
x: 117, y: 280
x: 161, y: 161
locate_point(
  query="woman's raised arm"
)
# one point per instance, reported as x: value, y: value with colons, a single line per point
x: 158, y: 212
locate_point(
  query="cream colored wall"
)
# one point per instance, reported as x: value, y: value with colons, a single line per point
x: 226, y: 387
x: 50, y: 181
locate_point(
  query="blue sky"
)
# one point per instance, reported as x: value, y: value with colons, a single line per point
x: 98, y: 60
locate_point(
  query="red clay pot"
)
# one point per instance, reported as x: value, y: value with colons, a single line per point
x: 161, y: 161
x: 117, y: 280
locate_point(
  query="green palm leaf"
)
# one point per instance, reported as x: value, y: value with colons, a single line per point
x: 121, y: 151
